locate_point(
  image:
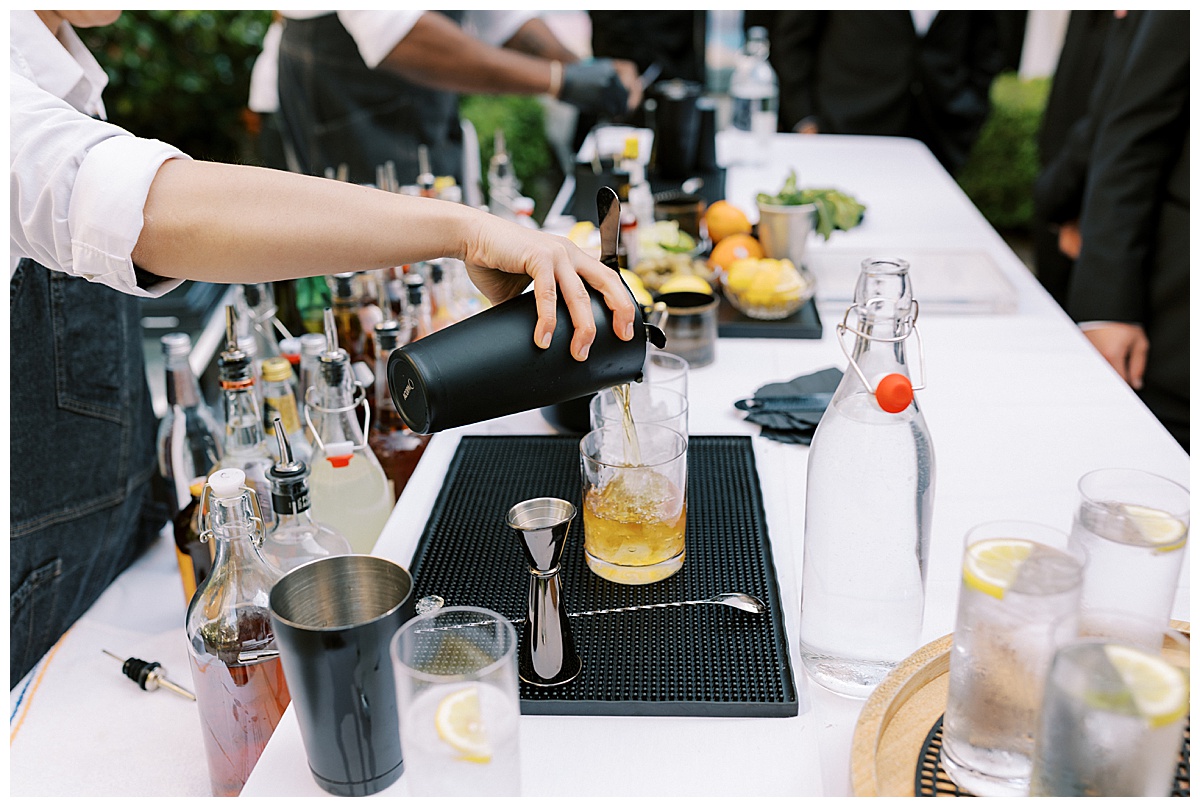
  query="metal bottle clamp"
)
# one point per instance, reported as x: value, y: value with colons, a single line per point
x: 910, y: 322
x: 360, y: 397
x: 206, y: 533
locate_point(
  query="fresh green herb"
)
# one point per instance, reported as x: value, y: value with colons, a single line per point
x: 835, y: 210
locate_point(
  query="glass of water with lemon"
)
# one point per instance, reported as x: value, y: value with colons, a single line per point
x: 1020, y: 580
x: 1133, y: 525
x: 456, y: 687
x: 1114, y: 710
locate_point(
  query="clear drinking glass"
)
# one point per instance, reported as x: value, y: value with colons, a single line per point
x: 634, y: 501
x: 1134, y: 527
x: 1113, y: 712
x: 647, y: 404
x: 457, y: 691
x: 1021, y: 582
x: 666, y: 371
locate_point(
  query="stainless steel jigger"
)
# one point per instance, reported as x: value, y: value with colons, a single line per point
x: 546, y: 655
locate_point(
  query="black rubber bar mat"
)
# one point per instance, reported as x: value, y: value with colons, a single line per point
x: 696, y: 660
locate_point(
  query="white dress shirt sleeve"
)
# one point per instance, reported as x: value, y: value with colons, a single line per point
x: 377, y: 32
x: 77, y: 188
x: 496, y: 27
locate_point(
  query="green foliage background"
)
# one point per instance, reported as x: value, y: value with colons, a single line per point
x: 182, y: 77
x: 1003, y: 165
x: 523, y: 121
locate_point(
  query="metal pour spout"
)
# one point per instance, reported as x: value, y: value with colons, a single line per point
x: 546, y: 651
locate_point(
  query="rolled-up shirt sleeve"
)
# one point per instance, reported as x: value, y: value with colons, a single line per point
x: 77, y: 189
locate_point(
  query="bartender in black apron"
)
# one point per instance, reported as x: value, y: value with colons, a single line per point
x: 335, y: 109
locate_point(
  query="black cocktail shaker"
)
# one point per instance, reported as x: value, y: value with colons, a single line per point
x: 487, y: 366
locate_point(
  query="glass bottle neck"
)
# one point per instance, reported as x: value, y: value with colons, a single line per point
x: 294, y: 521
x: 183, y: 389
x: 334, y: 414
x: 243, y: 421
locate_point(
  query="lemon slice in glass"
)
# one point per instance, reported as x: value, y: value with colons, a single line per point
x: 1159, y: 690
x: 991, y: 565
x: 1158, y: 528
x: 460, y: 725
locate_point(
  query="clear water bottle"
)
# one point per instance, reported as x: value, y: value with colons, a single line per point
x: 869, y: 499
x: 754, y: 92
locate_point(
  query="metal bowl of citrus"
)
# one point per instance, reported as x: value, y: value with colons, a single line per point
x: 767, y: 288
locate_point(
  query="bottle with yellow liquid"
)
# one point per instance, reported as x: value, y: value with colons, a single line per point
x: 349, y: 488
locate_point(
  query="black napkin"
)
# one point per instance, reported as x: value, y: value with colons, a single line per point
x: 795, y: 425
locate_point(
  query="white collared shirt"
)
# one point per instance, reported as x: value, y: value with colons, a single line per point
x: 376, y: 33
x: 77, y: 185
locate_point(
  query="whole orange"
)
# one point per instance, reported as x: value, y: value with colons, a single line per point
x: 724, y: 219
x: 731, y: 248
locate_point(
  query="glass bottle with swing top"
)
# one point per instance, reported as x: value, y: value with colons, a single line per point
x: 869, y: 498
x: 349, y: 489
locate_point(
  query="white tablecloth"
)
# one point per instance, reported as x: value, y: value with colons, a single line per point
x: 1019, y: 407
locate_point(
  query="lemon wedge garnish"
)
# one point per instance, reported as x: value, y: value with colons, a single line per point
x: 460, y: 725
x: 1160, y: 690
x: 991, y: 565
x: 1159, y: 529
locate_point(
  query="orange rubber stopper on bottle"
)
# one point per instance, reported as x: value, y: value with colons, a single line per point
x: 894, y: 393
x: 340, y: 461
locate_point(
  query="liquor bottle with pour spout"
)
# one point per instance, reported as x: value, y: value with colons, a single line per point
x: 869, y: 502
x: 349, y: 489
x: 397, y: 447
x: 296, y: 537
x: 189, y: 443
x: 240, y: 703
x: 245, y: 444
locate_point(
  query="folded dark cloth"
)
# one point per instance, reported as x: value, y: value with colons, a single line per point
x: 789, y: 411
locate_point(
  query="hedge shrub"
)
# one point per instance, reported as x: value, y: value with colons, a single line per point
x: 1003, y: 165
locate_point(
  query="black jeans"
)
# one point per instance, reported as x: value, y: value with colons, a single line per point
x: 82, y: 453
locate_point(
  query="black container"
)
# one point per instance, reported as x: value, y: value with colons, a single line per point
x: 706, y: 140
x: 571, y: 417
x: 487, y: 366
x: 676, y: 127
x: 334, y: 619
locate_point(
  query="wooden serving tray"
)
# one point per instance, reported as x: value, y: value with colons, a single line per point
x: 897, y: 718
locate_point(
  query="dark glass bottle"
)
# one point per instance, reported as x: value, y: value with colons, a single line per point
x: 241, y: 696
x: 189, y: 443
x: 397, y: 447
x: 195, y: 556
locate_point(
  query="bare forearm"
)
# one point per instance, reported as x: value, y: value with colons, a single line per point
x: 230, y: 223
x: 536, y: 39
x: 437, y: 53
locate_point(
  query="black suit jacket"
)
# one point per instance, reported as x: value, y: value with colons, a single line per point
x: 1135, y: 224
x: 868, y: 72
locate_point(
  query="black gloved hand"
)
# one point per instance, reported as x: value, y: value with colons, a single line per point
x: 594, y: 87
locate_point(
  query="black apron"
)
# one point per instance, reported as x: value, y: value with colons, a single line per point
x: 82, y: 433
x: 334, y: 109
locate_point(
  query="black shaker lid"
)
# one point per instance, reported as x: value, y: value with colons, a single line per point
x: 408, y: 387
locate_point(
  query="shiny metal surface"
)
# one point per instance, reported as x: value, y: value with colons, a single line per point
x: 546, y: 653
x: 608, y: 213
